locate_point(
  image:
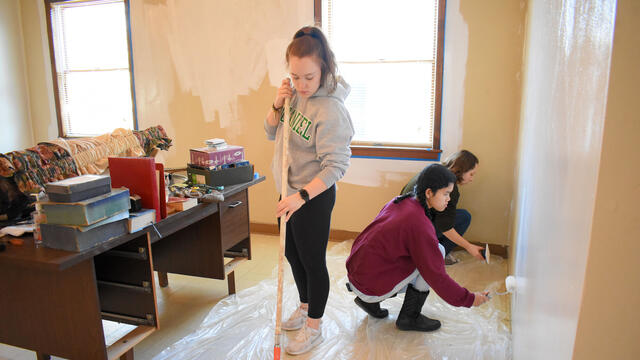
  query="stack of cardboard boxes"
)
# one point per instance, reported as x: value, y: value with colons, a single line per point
x: 219, y: 165
x: 83, y: 211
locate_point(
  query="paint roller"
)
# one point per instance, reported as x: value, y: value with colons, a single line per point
x: 510, y: 281
x: 510, y: 286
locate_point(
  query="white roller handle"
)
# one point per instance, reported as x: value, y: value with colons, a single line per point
x: 283, y: 223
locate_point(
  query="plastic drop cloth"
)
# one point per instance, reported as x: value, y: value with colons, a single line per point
x: 242, y: 326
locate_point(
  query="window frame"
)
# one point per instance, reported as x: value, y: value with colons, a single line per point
x: 399, y: 152
x: 56, y: 92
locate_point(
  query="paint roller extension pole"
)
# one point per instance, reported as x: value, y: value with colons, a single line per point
x: 284, y: 180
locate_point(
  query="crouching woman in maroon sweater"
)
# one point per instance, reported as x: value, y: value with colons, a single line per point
x: 393, y: 255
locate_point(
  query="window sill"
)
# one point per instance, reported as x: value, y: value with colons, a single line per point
x: 391, y: 152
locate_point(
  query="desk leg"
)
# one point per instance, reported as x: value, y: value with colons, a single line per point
x: 128, y: 355
x: 231, y: 282
x: 163, y: 279
x: 40, y: 356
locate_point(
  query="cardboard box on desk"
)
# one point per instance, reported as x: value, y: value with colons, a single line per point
x: 211, y: 157
x: 86, y: 212
x: 78, y: 188
x: 223, y: 177
x: 79, y: 238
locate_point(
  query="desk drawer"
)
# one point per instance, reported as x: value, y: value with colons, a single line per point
x: 234, y: 219
x: 125, y: 281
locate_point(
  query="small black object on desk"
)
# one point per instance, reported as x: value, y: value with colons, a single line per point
x: 136, y: 203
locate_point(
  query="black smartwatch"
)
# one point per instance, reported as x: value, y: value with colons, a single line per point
x: 304, y: 195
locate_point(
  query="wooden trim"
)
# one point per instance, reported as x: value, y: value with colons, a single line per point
x: 128, y: 341
x: 233, y: 264
x: 153, y: 283
x: 134, y: 107
x: 317, y: 13
x: 437, y: 115
x: 395, y: 152
x: 54, y: 72
x: 272, y: 229
x: 495, y: 249
x: 261, y: 228
x: 342, y: 235
x: 502, y: 250
x: 69, y: 1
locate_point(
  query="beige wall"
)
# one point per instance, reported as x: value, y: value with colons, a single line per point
x: 207, y: 69
x: 566, y: 72
x: 491, y: 112
x: 14, y: 101
x: 609, y: 325
x: 39, y: 78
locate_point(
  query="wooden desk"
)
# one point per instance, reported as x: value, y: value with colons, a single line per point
x: 53, y: 301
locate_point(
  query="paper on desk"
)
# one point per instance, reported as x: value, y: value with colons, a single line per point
x: 16, y: 230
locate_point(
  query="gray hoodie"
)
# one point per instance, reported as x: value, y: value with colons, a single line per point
x: 319, y: 138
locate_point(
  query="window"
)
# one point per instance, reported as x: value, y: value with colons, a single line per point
x: 390, y: 52
x: 91, y: 65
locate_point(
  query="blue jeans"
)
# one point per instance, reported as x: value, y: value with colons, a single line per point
x: 463, y: 220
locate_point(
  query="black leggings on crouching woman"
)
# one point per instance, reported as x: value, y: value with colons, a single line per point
x: 306, y: 249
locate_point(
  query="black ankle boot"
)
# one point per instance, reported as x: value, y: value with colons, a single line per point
x: 372, y: 309
x: 410, y: 317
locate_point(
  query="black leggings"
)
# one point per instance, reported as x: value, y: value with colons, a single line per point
x: 306, y: 249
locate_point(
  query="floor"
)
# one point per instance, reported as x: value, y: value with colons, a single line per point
x: 199, y: 321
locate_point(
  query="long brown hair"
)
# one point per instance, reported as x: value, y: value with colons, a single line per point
x: 310, y: 41
x: 461, y: 162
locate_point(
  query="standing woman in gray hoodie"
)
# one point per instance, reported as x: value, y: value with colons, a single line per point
x: 319, y: 153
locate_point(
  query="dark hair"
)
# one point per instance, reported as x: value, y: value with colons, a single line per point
x: 434, y: 177
x: 461, y: 162
x: 310, y: 41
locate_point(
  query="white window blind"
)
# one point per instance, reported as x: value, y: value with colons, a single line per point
x: 92, y: 66
x: 386, y: 51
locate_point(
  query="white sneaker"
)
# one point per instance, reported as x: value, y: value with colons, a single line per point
x: 305, y: 340
x: 296, y: 320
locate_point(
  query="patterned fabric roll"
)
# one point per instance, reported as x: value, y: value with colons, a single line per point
x: 27, y: 171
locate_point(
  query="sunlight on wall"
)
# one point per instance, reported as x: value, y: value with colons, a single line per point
x: 568, y: 53
x: 14, y: 104
x: 213, y: 55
